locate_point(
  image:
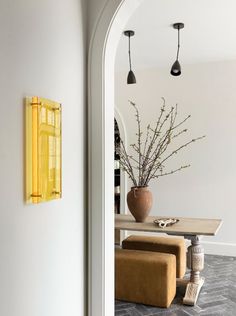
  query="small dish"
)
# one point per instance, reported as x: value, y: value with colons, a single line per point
x: 165, y: 222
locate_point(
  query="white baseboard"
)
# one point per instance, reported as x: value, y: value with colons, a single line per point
x: 219, y: 248
x: 210, y: 247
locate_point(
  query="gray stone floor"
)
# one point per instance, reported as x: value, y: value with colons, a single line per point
x: 217, y: 297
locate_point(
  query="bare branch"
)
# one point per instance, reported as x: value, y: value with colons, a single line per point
x: 150, y: 162
x: 128, y: 163
x: 139, y: 134
x: 170, y: 155
x: 170, y: 172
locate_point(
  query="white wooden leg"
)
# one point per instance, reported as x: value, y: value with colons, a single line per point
x: 192, y: 292
x: 195, y: 262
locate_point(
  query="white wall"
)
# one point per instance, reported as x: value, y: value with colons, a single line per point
x: 207, y: 188
x: 42, y: 269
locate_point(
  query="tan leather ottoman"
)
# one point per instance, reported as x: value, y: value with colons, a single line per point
x: 175, y: 246
x: 145, y: 277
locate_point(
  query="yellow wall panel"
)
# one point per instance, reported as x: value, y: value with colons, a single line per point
x: 43, y: 150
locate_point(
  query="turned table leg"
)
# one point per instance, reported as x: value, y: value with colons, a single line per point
x: 195, y: 262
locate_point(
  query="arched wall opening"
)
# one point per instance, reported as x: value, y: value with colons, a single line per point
x: 102, y: 52
x: 208, y: 113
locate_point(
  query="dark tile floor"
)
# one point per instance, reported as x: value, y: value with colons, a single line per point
x: 217, y: 297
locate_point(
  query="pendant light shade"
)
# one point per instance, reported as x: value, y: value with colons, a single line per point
x: 176, y: 68
x: 131, y: 77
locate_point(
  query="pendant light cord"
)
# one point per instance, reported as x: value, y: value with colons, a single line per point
x: 177, y: 57
x: 129, y: 54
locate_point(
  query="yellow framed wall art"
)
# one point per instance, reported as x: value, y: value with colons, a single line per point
x: 43, y: 150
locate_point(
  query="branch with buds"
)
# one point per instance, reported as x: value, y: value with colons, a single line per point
x: 149, y: 157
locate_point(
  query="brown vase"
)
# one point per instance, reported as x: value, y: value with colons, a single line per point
x: 139, y: 200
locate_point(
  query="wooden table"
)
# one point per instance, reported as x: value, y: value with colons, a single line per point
x: 190, y: 228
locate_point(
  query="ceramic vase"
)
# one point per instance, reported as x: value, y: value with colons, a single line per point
x: 139, y: 200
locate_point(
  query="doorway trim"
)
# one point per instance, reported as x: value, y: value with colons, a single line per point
x: 102, y: 52
x: 123, y: 176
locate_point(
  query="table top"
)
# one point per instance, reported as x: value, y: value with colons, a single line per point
x: 185, y: 226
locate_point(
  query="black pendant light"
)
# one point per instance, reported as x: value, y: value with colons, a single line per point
x: 176, y: 68
x: 131, y: 77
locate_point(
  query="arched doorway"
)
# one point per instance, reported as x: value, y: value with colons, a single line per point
x: 101, y: 150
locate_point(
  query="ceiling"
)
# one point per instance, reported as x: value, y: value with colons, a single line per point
x: 209, y: 33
